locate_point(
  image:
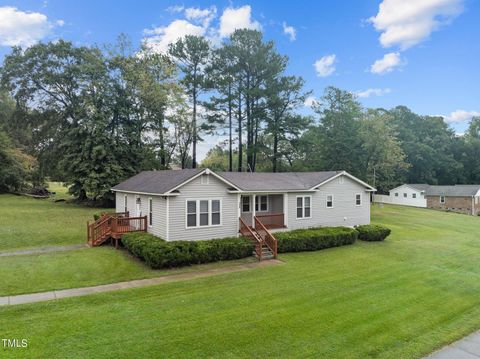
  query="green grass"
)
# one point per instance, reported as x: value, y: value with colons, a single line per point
x: 402, y: 298
x: 27, y: 222
x: 79, y: 268
x: 61, y: 192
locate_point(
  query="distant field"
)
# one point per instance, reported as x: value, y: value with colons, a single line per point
x: 403, y: 298
x: 28, y: 222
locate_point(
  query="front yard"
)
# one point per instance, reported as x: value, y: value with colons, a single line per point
x: 399, y: 299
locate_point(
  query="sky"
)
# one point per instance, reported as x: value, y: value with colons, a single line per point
x: 424, y: 54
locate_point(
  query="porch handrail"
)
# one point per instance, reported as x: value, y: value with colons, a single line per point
x: 247, y: 231
x: 266, y: 236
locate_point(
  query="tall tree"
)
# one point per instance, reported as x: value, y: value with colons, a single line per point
x: 283, y: 96
x: 192, y: 53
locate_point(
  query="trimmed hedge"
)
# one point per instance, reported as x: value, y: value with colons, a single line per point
x: 373, y: 232
x: 158, y: 253
x: 314, y: 239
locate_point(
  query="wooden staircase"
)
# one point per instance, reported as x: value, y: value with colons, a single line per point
x: 265, y: 242
x: 112, y: 226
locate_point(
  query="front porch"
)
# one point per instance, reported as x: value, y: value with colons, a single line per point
x: 270, y: 209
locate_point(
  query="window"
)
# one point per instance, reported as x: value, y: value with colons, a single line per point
x: 246, y: 204
x: 442, y: 199
x: 215, y: 212
x: 358, y: 199
x: 203, y: 212
x: 191, y: 213
x: 329, y: 200
x: 125, y: 203
x: 205, y: 179
x: 304, y: 209
x: 404, y: 195
x: 204, y: 209
x: 396, y: 194
x: 414, y: 195
x: 261, y: 203
x: 150, y: 212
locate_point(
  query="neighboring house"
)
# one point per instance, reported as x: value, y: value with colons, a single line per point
x: 406, y: 195
x: 456, y: 198
x: 195, y: 204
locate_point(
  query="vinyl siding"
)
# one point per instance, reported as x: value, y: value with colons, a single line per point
x: 215, y: 189
x: 344, y: 211
x: 420, y: 201
x: 159, y: 227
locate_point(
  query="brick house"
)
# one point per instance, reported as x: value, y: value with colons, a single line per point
x: 458, y: 198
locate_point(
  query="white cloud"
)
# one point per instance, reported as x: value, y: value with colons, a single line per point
x: 310, y: 101
x: 290, y: 31
x: 204, y: 16
x: 325, y: 66
x: 460, y: 116
x: 159, y: 38
x: 19, y: 28
x: 373, y: 92
x: 405, y: 23
x: 199, y: 22
x: 237, y: 18
x: 387, y: 63
x: 175, y: 8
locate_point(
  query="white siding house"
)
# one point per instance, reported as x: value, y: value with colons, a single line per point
x: 200, y: 204
x: 405, y: 195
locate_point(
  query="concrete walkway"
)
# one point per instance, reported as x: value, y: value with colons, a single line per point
x: 466, y: 348
x: 42, y: 250
x: 76, y: 292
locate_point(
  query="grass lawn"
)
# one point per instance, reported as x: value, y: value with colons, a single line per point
x: 28, y: 222
x: 80, y: 268
x: 402, y: 298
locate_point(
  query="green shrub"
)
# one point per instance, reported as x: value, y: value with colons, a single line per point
x: 372, y: 232
x: 158, y: 253
x: 135, y: 242
x: 313, y: 239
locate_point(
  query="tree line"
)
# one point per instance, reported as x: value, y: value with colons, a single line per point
x: 92, y: 116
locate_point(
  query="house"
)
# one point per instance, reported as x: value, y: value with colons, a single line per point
x: 195, y: 204
x: 406, y: 195
x: 456, y: 198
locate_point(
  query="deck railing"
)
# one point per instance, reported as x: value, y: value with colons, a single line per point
x: 122, y: 225
x: 266, y: 236
x: 99, y: 229
x: 272, y: 220
x: 246, y: 231
x: 113, y: 226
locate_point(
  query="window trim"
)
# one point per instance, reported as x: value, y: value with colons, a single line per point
x: 249, y: 204
x: 260, y: 203
x: 326, y: 201
x: 405, y: 195
x: 396, y: 194
x: 414, y: 195
x: 125, y: 203
x: 361, y: 199
x: 150, y: 211
x: 444, y: 199
x: 197, y: 212
x: 303, y: 207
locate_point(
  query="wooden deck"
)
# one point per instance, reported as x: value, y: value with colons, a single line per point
x: 113, y: 226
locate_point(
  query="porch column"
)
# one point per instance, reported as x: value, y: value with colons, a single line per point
x: 254, y: 200
x: 285, y: 209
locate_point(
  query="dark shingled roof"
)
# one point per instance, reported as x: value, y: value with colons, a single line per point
x: 156, y: 181
x: 459, y: 190
x: 280, y: 181
x: 419, y: 186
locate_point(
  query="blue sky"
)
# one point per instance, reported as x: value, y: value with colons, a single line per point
x: 424, y: 54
